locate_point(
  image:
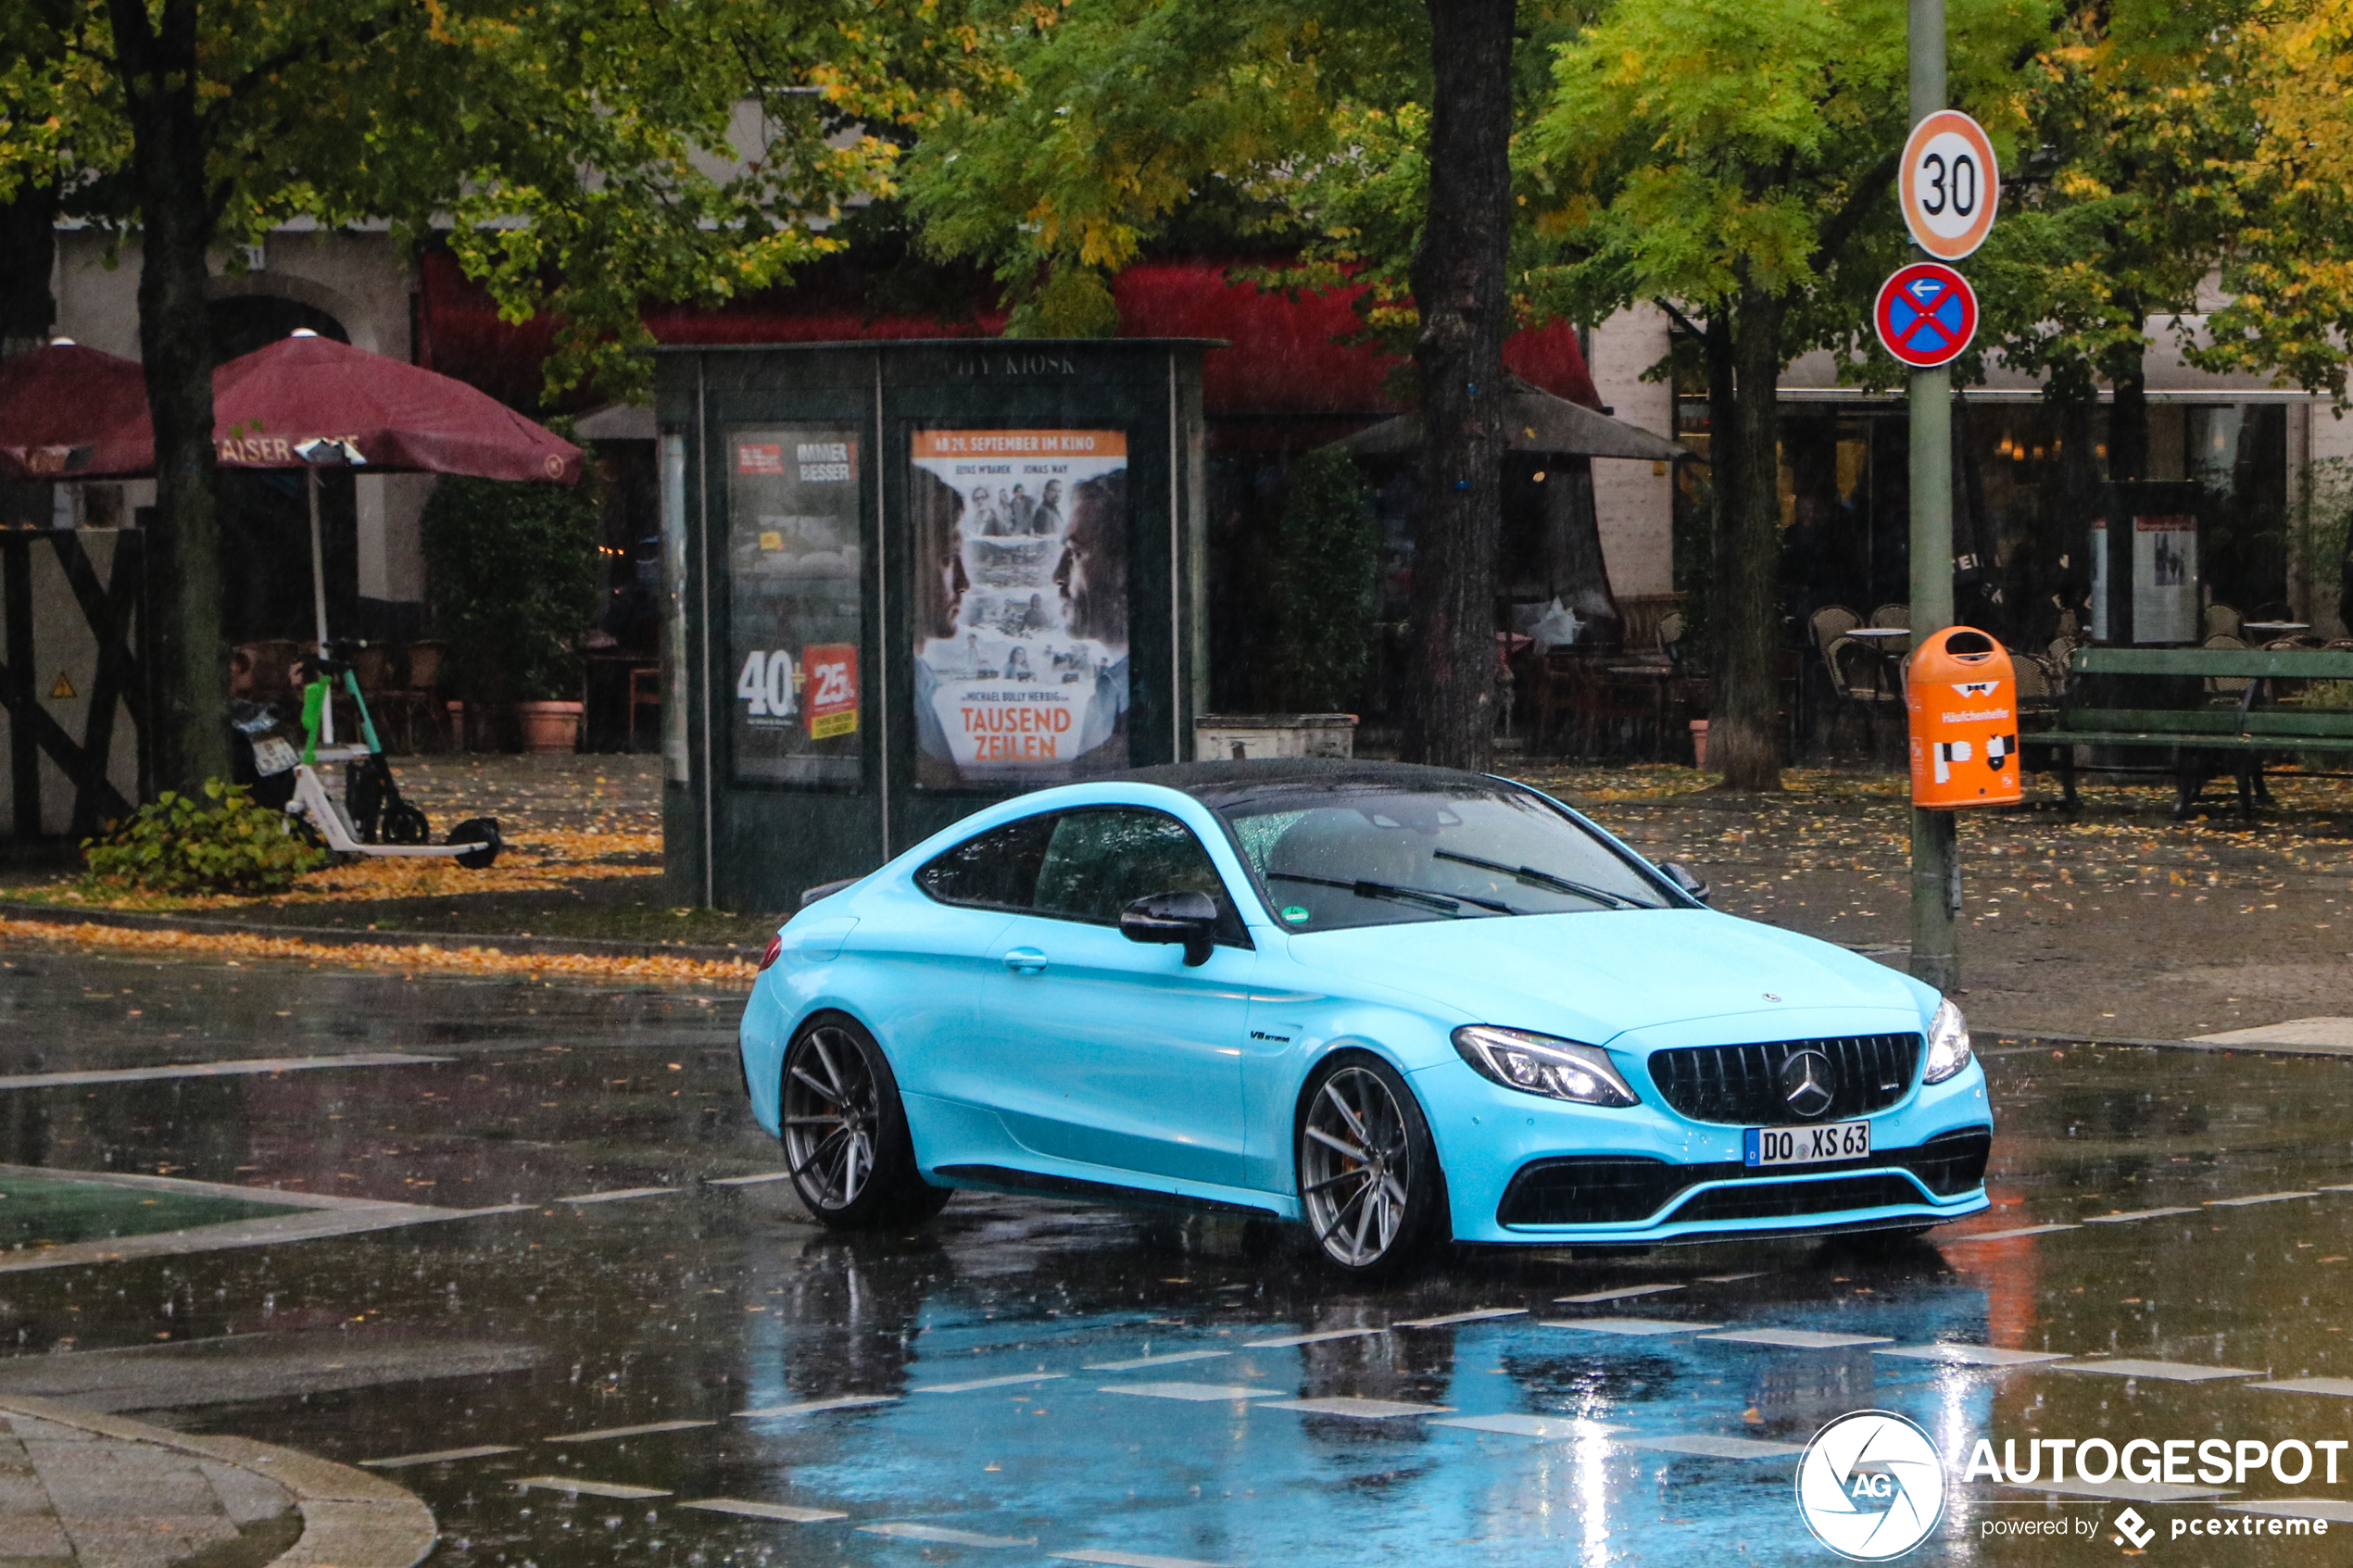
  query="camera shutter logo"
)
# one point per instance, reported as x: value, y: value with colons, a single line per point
x: 1872, y: 1485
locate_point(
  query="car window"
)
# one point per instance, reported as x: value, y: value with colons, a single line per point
x: 1099, y: 862
x: 995, y: 870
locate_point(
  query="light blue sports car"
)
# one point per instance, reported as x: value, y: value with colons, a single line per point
x: 1397, y: 1004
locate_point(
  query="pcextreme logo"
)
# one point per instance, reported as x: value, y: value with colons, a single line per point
x: 1872, y: 1485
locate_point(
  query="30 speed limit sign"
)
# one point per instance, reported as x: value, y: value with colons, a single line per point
x: 1950, y: 184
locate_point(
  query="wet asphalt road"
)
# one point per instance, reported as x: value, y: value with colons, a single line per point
x: 1010, y: 1425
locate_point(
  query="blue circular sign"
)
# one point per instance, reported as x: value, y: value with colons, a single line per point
x: 1925, y: 314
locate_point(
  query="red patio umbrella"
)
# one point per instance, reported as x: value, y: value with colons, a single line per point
x: 70, y: 412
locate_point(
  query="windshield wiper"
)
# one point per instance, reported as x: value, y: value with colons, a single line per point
x: 1445, y: 903
x: 1544, y: 879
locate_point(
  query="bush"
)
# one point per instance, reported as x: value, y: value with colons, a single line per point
x: 180, y: 845
x: 515, y: 578
x: 1326, y: 564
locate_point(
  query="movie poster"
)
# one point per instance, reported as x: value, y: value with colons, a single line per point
x: 1020, y: 605
x: 2164, y: 583
x: 795, y: 617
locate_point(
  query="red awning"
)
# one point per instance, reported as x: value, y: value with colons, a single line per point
x: 70, y: 412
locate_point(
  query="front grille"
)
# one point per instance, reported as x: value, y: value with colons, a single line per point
x: 1740, y: 1085
x: 1782, y: 1200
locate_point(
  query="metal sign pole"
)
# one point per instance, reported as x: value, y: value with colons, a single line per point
x: 1936, y: 867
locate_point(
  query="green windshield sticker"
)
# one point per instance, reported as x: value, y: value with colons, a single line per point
x: 1296, y: 913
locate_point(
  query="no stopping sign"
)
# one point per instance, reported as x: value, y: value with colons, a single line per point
x: 1925, y: 314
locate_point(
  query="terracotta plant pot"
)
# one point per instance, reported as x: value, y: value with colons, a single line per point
x: 550, y: 726
x: 1699, y: 743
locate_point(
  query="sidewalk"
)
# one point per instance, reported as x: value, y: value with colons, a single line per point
x: 103, y: 1492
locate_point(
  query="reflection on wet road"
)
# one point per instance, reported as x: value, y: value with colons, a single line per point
x: 684, y: 1371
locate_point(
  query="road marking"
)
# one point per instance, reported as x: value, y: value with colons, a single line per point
x: 1484, y: 1314
x: 812, y: 1407
x: 2342, y: 1187
x: 216, y: 1068
x: 2329, y: 1508
x: 1624, y: 1293
x: 1360, y: 1409
x: 988, y: 1383
x: 602, y: 1433
x: 586, y: 1488
x: 2004, y: 1235
x: 943, y: 1536
x: 746, y: 1182
x: 616, y: 1194
x: 1141, y: 1362
x: 2121, y: 1491
x: 1798, y: 1338
x: 441, y: 1456
x: 1285, y: 1341
x: 1131, y: 1559
x: 2342, y: 1387
x: 2133, y: 1214
x: 1732, y: 1279
x: 277, y: 1229
x: 1626, y: 1325
x: 2259, y: 1197
x: 1543, y: 1427
x: 1709, y: 1445
x: 1202, y: 1392
x: 2170, y: 1371
x: 1971, y: 1355
x: 786, y: 1511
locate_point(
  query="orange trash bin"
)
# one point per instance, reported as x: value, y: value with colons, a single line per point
x: 1961, y: 694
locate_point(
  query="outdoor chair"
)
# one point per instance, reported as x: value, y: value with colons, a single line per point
x: 2221, y: 620
x: 417, y: 694
x: 1830, y: 623
x: 1892, y: 614
x: 2035, y: 691
x: 2225, y: 686
x: 1860, y: 683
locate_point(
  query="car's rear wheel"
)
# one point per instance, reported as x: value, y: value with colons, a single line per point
x: 845, y: 1131
x: 1369, y: 1183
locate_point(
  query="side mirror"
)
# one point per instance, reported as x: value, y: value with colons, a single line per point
x: 1189, y: 917
x: 1682, y: 876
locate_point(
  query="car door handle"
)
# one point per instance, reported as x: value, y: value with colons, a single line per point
x: 1026, y: 960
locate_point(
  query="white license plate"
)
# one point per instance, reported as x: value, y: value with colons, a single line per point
x: 1807, y: 1146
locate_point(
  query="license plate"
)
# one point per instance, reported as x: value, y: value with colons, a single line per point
x: 1807, y: 1146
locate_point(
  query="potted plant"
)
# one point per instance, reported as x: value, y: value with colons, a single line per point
x: 515, y: 577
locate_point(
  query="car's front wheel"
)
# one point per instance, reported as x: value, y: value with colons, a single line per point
x: 845, y: 1131
x: 1369, y: 1184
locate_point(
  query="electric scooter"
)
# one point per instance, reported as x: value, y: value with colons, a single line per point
x: 371, y: 794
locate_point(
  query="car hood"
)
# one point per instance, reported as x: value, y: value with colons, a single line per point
x: 1597, y: 976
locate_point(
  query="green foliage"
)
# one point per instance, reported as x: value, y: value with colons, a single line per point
x: 1327, y: 557
x: 223, y: 843
x: 514, y: 578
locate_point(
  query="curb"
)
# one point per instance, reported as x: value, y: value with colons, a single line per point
x: 343, y: 936
x: 350, y: 1519
x: 2215, y: 1048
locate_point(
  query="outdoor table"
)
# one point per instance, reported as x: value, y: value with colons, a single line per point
x: 2276, y: 628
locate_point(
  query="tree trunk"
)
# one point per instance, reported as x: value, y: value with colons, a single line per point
x: 1458, y: 277
x: 28, y: 256
x: 2128, y: 454
x: 1744, y: 727
x: 188, y: 670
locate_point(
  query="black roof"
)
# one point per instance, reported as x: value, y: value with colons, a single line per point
x: 1219, y: 783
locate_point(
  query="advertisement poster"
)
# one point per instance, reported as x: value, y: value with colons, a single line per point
x: 795, y: 618
x: 2165, y: 606
x: 1020, y: 605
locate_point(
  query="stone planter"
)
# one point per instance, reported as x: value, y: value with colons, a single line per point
x: 1234, y: 737
x: 550, y: 726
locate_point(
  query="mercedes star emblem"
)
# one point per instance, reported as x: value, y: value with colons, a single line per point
x: 1808, y: 1083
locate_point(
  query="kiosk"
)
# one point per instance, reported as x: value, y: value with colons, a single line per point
x: 907, y: 577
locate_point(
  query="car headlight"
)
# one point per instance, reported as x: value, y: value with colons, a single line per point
x: 1539, y: 1064
x: 1948, y: 1050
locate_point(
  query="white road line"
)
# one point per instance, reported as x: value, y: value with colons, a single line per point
x: 1484, y: 1314
x: 1360, y: 1409
x: 1139, y: 1362
x: 2342, y: 1387
x: 943, y: 1536
x: 616, y: 1194
x: 1635, y: 1326
x: 1971, y: 1355
x: 814, y: 1406
x: 587, y: 1489
x: 2004, y: 1235
x: 1798, y: 1338
x: 1623, y: 1293
x: 1285, y: 1341
x: 979, y: 1383
x: 1732, y: 1279
x: 440, y: 1456
x: 2259, y: 1197
x: 784, y: 1512
x: 1130, y: 1559
x: 2334, y: 1510
x: 1708, y: 1446
x: 746, y: 1182
x: 2133, y: 1214
x: 2169, y: 1372
x: 1199, y: 1392
x: 2120, y: 1491
x: 216, y: 1068
x: 1540, y: 1426
x: 602, y: 1433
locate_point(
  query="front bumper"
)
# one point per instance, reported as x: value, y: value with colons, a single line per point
x: 1533, y: 1172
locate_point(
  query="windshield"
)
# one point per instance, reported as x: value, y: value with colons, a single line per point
x: 1362, y: 855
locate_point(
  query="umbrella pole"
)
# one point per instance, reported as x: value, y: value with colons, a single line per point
x: 319, y: 601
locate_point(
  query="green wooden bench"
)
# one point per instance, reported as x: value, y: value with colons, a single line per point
x: 2159, y: 699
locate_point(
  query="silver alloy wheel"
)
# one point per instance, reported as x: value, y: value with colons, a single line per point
x: 1356, y: 1167
x: 831, y: 1115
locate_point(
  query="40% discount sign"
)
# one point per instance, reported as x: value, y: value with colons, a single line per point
x: 1950, y: 186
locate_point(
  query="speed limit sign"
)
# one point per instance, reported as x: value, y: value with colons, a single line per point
x: 1950, y: 184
